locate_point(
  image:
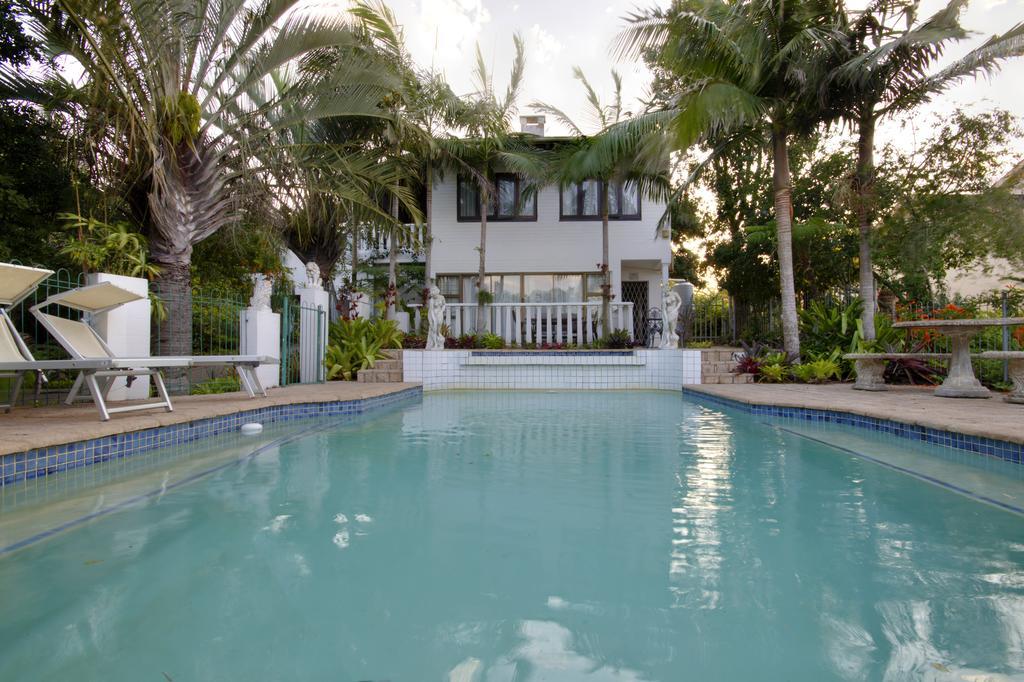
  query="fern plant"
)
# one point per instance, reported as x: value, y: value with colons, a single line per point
x: 355, y: 345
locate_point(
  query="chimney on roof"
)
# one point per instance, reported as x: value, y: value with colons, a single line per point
x: 532, y: 125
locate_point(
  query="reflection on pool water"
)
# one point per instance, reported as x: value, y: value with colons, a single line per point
x: 492, y: 537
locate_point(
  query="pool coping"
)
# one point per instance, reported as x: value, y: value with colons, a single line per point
x: 1010, y: 450
x: 46, y: 460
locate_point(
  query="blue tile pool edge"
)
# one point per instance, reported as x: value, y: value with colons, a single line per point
x: 989, y: 447
x: 29, y: 464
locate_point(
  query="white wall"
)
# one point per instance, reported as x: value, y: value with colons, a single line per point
x: 979, y: 280
x: 546, y: 245
x: 646, y: 369
x: 126, y: 330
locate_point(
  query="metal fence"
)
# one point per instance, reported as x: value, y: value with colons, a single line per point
x: 719, y: 319
x: 303, y: 337
x: 211, y: 320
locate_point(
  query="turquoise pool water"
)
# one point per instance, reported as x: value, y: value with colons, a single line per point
x: 599, y: 537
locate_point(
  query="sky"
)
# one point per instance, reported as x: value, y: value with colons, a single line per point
x: 560, y: 34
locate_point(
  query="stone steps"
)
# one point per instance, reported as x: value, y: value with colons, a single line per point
x: 385, y: 371
x: 717, y: 367
x: 727, y: 379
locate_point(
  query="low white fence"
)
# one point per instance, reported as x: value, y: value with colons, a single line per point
x: 540, y: 323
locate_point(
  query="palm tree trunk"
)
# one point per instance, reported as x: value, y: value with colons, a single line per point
x: 174, y: 287
x: 864, y: 188
x: 355, y: 255
x: 392, y: 294
x: 782, y: 184
x: 606, y: 275
x: 428, y: 240
x: 481, y: 322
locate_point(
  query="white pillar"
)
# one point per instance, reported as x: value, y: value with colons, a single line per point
x: 261, y: 331
x: 261, y: 335
x: 312, y: 332
x: 126, y: 330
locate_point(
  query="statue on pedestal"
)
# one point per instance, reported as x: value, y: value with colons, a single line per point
x: 262, y: 286
x: 435, y: 319
x: 671, y: 302
x: 313, y: 280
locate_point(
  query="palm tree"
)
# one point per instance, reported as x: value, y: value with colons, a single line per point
x: 592, y: 158
x: 188, y: 92
x: 741, y: 65
x: 489, y: 145
x: 421, y: 109
x: 885, y: 70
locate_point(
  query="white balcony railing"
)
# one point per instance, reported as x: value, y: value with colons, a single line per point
x: 540, y: 323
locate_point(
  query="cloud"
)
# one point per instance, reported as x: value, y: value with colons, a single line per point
x: 450, y: 28
x: 543, y: 47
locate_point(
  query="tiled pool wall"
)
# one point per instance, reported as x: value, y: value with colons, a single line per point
x: 467, y: 369
x: 20, y: 466
x: 990, y: 447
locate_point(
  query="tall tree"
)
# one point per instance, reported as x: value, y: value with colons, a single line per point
x: 887, y: 68
x: 591, y: 157
x: 175, y: 85
x: 490, y: 145
x: 422, y: 107
x: 740, y: 65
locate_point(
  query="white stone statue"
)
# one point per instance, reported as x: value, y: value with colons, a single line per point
x: 262, y: 286
x: 313, y: 280
x: 671, y: 302
x: 435, y: 319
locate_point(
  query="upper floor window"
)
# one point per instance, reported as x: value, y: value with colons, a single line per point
x: 510, y: 199
x: 582, y: 201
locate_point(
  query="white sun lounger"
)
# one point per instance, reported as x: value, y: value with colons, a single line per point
x: 99, y: 366
x: 16, y: 283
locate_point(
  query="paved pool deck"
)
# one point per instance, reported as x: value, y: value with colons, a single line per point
x: 986, y: 418
x: 26, y: 428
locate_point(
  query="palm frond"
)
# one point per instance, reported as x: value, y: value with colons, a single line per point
x: 985, y: 59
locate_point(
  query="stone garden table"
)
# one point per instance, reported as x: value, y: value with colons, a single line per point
x: 961, y: 382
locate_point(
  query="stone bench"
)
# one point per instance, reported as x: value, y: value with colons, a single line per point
x: 871, y: 367
x: 1016, y: 367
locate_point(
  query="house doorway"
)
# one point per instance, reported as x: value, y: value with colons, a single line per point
x: 636, y: 293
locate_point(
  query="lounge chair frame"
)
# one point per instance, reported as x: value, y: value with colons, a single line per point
x: 17, y: 375
x: 8, y: 299
x: 98, y: 370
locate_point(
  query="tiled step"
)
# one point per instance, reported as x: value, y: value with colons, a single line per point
x: 718, y: 367
x: 727, y: 379
x: 723, y: 367
x: 385, y: 371
x: 379, y: 376
x: 718, y: 354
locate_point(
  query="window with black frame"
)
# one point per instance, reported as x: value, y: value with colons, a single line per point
x: 511, y: 199
x: 582, y: 201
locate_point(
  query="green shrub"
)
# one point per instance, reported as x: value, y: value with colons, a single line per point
x: 355, y: 345
x: 492, y: 342
x: 826, y: 327
x: 619, y: 338
x: 772, y: 373
x: 699, y: 344
x: 216, y: 385
x: 817, y: 371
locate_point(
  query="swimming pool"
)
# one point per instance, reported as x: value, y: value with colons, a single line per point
x: 495, y: 536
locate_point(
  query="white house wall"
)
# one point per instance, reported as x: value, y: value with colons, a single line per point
x: 545, y: 245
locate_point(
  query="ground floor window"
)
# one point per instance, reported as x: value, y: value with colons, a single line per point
x: 524, y: 287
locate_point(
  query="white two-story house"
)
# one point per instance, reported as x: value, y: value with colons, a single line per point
x: 545, y: 247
